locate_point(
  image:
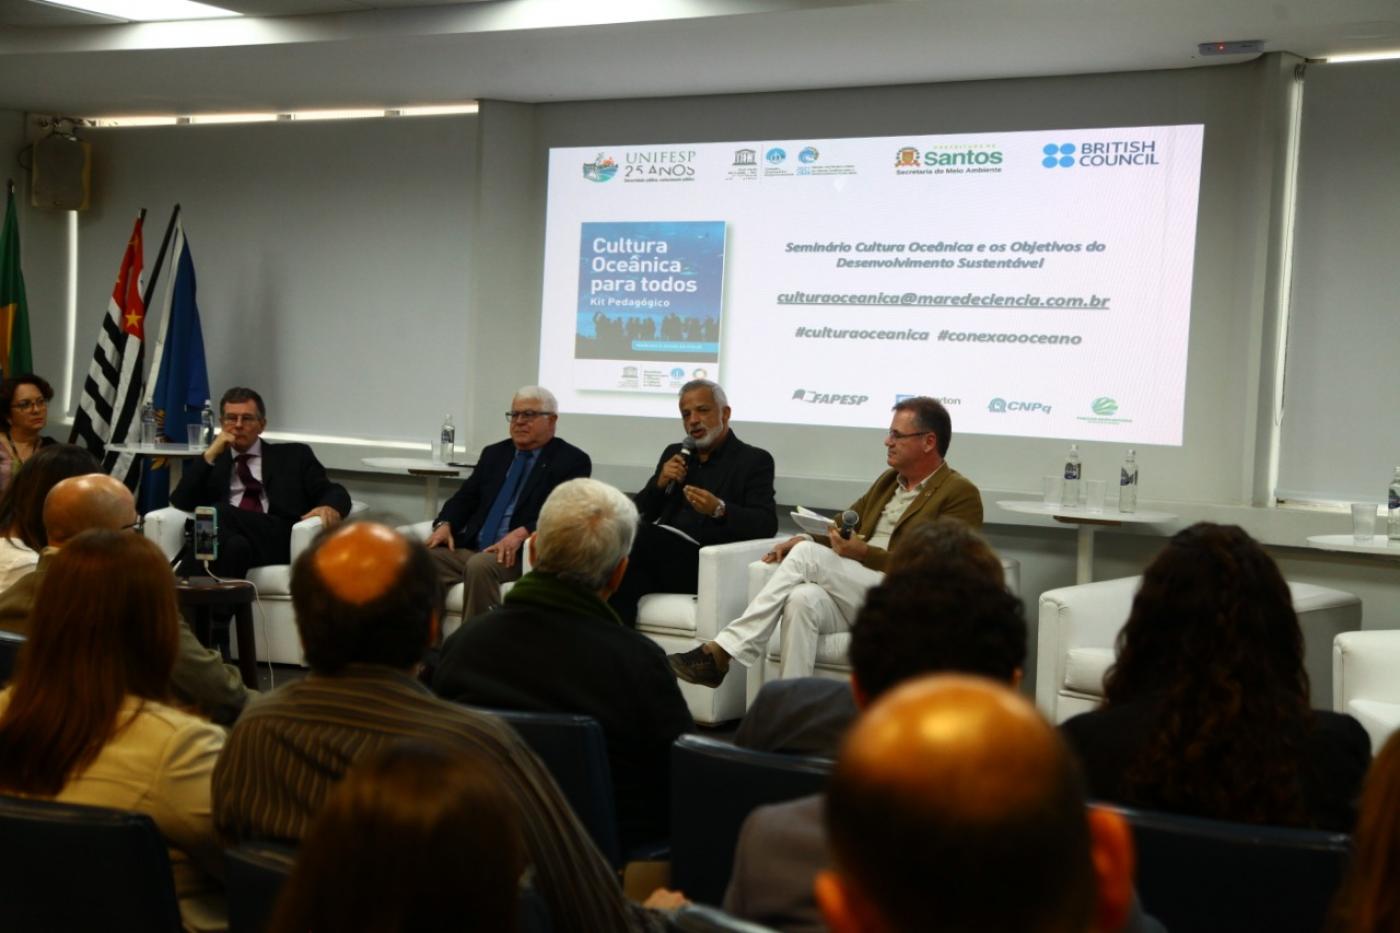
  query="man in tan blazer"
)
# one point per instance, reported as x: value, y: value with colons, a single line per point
x: 820, y: 584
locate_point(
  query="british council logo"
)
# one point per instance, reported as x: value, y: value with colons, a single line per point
x: 1061, y: 155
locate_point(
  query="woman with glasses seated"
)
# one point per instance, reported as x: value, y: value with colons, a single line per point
x: 22, y: 506
x: 1206, y: 709
x: 87, y: 718
x: 24, y: 413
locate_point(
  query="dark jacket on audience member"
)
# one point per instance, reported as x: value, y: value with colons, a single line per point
x: 1335, y: 759
x: 799, y: 716
x: 554, y: 647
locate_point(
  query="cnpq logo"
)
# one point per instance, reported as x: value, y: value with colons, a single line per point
x: 1000, y: 406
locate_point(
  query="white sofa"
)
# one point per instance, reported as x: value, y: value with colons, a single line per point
x: 274, y: 623
x: 832, y: 649
x: 1079, y: 626
x: 1366, y: 681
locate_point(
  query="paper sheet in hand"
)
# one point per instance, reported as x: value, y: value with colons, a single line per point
x: 815, y: 524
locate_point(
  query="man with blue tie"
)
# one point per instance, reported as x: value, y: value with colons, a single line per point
x: 478, y: 536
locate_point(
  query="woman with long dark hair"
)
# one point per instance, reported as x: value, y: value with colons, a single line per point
x: 85, y: 719
x: 1206, y: 709
x: 415, y: 840
x: 24, y: 413
x: 22, y: 506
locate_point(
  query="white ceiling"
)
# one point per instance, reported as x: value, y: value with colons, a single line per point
x: 382, y: 53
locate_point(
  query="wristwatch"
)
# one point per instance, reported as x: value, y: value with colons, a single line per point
x: 719, y: 511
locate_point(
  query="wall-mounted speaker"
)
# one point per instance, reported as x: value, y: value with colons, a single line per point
x: 61, y: 178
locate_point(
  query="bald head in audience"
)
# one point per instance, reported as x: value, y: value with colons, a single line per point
x: 79, y: 503
x: 953, y: 799
x: 365, y: 594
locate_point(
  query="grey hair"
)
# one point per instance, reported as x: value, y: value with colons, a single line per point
x: 716, y: 390
x: 540, y: 394
x: 585, y: 528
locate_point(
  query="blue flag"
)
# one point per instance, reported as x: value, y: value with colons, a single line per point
x: 182, y: 381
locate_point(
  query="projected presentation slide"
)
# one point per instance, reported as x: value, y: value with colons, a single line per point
x: 1039, y: 283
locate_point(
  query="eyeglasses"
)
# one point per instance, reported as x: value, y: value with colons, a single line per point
x: 894, y: 435
x: 240, y: 419
x: 30, y: 404
x: 525, y: 415
x: 138, y: 526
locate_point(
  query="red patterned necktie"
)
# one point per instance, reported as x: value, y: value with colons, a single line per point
x: 252, y: 489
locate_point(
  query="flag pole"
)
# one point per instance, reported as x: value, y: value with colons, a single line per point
x: 160, y: 258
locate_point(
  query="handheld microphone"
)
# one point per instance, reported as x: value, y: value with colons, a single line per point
x: 687, y: 448
x: 849, y: 520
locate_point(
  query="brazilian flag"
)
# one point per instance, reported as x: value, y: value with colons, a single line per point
x: 15, y: 354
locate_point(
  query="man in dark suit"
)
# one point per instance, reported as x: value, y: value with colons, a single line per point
x: 477, y: 536
x: 711, y: 489
x: 259, y: 489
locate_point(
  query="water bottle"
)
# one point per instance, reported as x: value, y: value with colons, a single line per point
x: 148, y: 424
x: 1069, y: 495
x: 1392, y: 519
x: 206, y: 421
x: 446, y: 440
x: 1127, y: 484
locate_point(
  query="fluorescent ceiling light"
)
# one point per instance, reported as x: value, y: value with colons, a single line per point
x: 132, y: 121
x: 144, y: 10
x: 1364, y: 56
x: 438, y: 109
x: 334, y: 114
x: 201, y: 118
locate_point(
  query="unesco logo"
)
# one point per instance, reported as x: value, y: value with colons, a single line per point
x: 1061, y: 155
x: 775, y: 156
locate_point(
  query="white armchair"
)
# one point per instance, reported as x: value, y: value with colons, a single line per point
x: 1079, y: 627
x: 679, y: 621
x: 274, y: 627
x: 832, y: 649
x: 1366, y: 681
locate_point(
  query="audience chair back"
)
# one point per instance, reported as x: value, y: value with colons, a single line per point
x: 575, y: 751
x: 1207, y: 875
x: 70, y: 867
x: 714, y: 787
x: 10, y: 643
x: 253, y: 875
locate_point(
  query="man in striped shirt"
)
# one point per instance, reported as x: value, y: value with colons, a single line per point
x: 368, y: 603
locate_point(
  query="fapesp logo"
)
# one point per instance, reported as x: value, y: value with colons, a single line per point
x: 827, y: 398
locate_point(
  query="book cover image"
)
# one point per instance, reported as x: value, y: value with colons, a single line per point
x: 650, y: 296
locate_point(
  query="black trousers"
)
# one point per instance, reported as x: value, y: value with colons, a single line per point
x: 660, y: 562
x: 250, y: 539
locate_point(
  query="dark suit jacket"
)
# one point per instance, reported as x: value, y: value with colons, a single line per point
x: 948, y: 495
x: 466, y: 510
x: 739, y: 473
x: 799, y: 716
x: 527, y: 657
x: 294, y: 480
